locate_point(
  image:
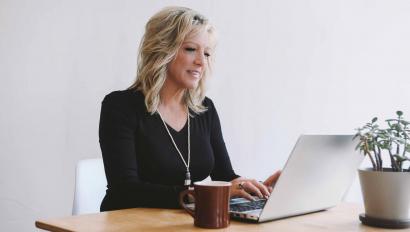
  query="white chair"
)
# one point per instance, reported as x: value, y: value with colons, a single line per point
x: 90, y: 186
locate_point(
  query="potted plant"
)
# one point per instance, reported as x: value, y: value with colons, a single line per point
x: 386, y: 191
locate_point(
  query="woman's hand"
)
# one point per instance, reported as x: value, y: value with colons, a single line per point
x: 242, y: 187
x: 271, y: 181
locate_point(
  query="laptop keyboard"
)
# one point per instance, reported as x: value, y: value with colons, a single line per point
x: 248, y: 206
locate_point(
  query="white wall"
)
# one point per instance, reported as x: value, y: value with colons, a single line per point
x: 282, y: 68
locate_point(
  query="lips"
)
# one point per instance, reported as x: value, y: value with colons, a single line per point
x: 195, y: 73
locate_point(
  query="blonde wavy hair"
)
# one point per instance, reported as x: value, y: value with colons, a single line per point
x: 164, y: 34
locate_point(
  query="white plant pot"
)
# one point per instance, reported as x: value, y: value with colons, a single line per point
x: 386, y: 196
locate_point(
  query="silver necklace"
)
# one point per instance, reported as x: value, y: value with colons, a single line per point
x: 187, y: 181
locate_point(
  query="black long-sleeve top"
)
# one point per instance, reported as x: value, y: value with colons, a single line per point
x: 142, y: 166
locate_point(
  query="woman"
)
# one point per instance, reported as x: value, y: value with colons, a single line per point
x: 162, y: 133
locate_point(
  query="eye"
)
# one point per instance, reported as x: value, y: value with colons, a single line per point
x: 189, y: 49
x: 207, y: 54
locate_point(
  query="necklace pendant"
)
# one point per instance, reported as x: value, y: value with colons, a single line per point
x: 187, y: 181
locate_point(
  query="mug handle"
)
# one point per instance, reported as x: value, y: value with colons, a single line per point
x: 181, y: 201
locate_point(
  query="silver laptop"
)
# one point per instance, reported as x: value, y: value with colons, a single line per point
x: 317, y: 175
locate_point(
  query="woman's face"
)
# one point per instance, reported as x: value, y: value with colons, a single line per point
x: 188, y: 67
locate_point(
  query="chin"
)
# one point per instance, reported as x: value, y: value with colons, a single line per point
x: 192, y: 85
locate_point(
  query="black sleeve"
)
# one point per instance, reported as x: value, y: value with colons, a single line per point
x: 222, y: 168
x: 117, y: 141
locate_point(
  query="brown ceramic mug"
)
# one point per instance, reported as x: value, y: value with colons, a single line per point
x: 211, y: 203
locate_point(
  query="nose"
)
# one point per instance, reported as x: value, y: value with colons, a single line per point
x: 200, y: 59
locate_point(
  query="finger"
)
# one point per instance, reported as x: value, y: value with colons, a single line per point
x: 276, y: 177
x: 270, y: 189
x: 273, y: 178
x: 246, y: 195
x: 249, y: 187
x: 236, y: 183
x: 262, y: 188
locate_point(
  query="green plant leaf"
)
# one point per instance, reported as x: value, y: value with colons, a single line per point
x: 405, y: 123
x: 399, y: 158
x: 407, y: 147
x: 393, y: 138
x: 391, y: 120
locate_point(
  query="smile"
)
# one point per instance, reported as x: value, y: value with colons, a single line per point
x: 195, y: 73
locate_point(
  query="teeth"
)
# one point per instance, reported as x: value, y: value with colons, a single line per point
x: 195, y: 73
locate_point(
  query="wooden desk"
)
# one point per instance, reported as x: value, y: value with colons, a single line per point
x: 341, y: 218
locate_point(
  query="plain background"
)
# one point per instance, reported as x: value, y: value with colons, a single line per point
x: 283, y: 68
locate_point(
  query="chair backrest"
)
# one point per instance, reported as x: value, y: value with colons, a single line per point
x: 90, y: 186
